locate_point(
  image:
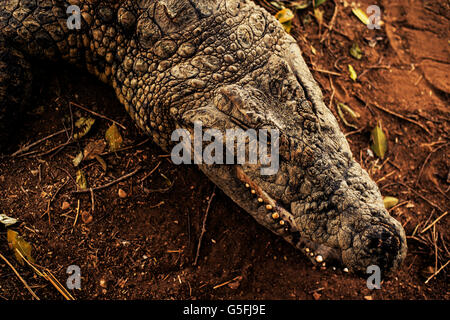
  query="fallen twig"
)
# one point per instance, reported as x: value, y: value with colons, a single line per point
x: 150, y: 173
x: 204, y: 225
x: 20, y: 278
x: 426, y: 160
x: 434, y: 222
x: 28, y: 147
x: 400, y: 116
x: 128, y: 175
x: 434, y: 274
x: 97, y: 114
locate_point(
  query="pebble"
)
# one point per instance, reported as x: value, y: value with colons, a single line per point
x: 122, y: 193
x: 65, y: 205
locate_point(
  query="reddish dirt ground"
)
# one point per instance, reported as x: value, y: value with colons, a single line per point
x: 142, y: 246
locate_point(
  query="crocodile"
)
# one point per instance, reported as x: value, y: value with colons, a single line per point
x: 226, y: 64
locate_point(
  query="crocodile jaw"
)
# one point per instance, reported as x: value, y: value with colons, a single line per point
x: 320, y: 200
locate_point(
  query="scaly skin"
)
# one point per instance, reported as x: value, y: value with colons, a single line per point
x: 228, y: 64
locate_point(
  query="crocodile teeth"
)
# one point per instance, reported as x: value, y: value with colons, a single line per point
x: 253, y: 191
x: 282, y: 222
x: 319, y: 258
x: 312, y: 254
x: 260, y: 200
x: 345, y: 270
x: 307, y: 249
x: 269, y: 207
x: 275, y: 215
x: 247, y: 185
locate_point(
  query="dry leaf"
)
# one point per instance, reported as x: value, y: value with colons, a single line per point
x: 93, y: 149
x: 390, y: 202
x: 114, y: 138
x: 379, y: 142
x: 84, y: 125
x: 361, y: 15
x: 17, y: 243
x: 352, y: 72
x: 77, y: 160
x: 355, y: 51
x: 81, y: 180
x: 284, y: 15
x: 342, y: 110
x: 7, y: 221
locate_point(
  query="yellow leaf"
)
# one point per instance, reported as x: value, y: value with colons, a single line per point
x: 284, y: 15
x: 84, y: 125
x: 287, y: 26
x: 343, y: 109
x: 318, y: 14
x: 361, y: 15
x: 17, y: 243
x: 81, y: 180
x: 114, y: 138
x: 390, y: 202
x: 352, y: 72
x: 379, y: 142
x: 77, y: 160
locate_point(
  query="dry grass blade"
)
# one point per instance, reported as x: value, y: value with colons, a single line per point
x: 138, y: 168
x: 48, y: 275
x: 226, y: 282
x: 434, y: 222
x: 97, y: 114
x: 20, y: 278
x: 204, y: 225
x: 434, y: 274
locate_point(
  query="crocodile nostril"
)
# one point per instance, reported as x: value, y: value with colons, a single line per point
x: 380, y: 237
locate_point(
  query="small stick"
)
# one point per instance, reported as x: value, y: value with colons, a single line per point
x: 28, y: 147
x: 78, y: 213
x: 204, y: 225
x: 421, y: 196
x: 97, y: 114
x: 226, y: 282
x: 126, y: 148
x: 20, y: 278
x: 434, y: 222
x: 434, y: 274
x: 327, y: 72
x: 426, y: 160
x: 92, y: 201
x: 150, y: 173
x: 401, y: 117
x: 128, y: 175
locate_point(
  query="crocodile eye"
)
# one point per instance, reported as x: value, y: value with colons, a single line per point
x: 275, y: 87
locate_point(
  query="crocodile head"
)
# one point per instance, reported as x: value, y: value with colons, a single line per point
x: 319, y: 199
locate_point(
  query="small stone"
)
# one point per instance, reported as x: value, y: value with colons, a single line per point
x: 122, y: 193
x: 65, y: 205
x: 86, y: 217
